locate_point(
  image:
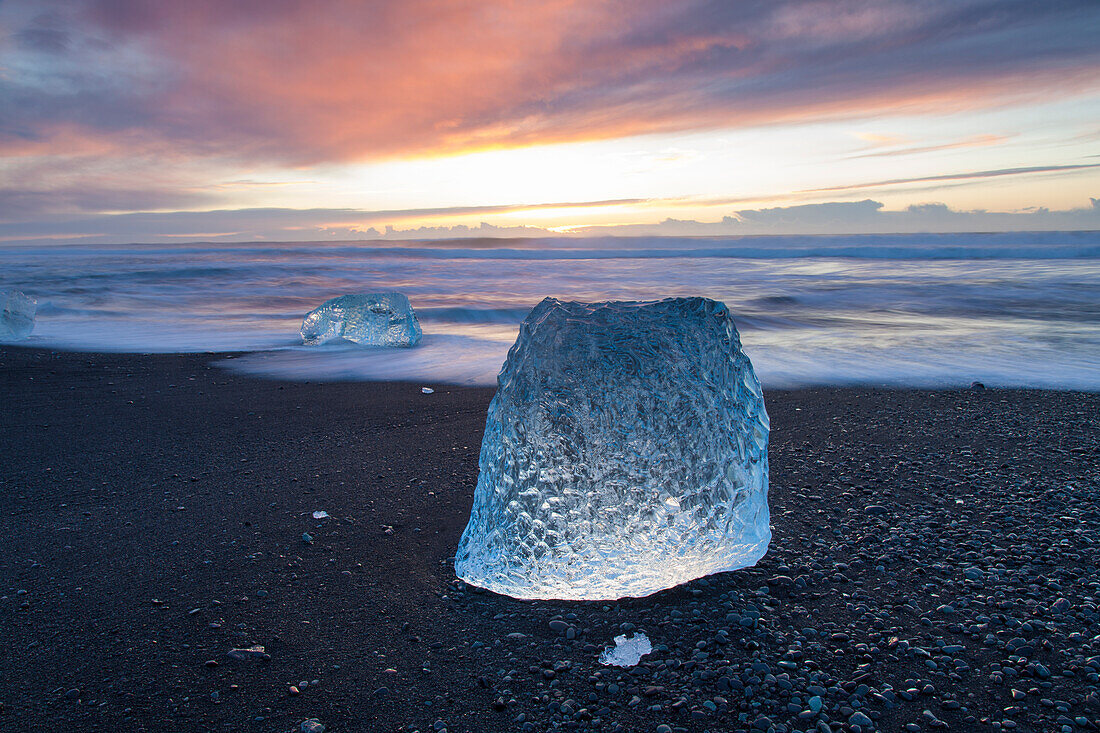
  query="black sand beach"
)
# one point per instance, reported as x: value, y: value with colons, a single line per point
x: 933, y: 566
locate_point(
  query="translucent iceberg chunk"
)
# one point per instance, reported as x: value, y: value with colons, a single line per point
x: 627, y: 652
x: 17, y: 314
x: 625, y: 452
x: 372, y: 319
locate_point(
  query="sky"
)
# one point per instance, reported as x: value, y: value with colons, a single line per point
x: 161, y: 120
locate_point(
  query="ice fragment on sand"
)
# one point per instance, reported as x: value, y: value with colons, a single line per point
x: 322, y: 514
x: 252, y: 652
x: 16, y: 314
x: 371, y: 319
x: 427, y: 390
x: 625, y: 452
x: 626, y: 652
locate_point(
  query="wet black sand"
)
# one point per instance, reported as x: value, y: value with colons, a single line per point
x: 934, y: 563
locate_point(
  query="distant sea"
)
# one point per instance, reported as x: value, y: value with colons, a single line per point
x: 927, y: 310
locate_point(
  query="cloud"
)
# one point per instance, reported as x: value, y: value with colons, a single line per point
x: 971, y: 142
x: 865, y: 217
x: 970, y: 175
x: 304, y: 82
x: 813, y: 214
x: 255, y: 223
x: 49, y: 40
x: 20, y: 204
x: 306, y: 225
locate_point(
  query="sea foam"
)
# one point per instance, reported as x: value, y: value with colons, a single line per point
x: 928, y: 310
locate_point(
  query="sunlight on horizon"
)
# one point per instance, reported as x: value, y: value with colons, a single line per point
x: 706, y: 175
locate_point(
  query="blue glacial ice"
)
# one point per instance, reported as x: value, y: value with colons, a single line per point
x: 371, y: 319
x: 628, y: 651
x: 16, y: 315
x: 625, y: 452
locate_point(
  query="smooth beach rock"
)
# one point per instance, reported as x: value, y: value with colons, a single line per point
x: 625, y: 452
x: 16, y: 314
x: 371, y: 319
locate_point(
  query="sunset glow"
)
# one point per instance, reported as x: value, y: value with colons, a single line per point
x: 343, y: 118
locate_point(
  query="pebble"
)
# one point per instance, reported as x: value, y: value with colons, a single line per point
x: 848, y: 620
x: 858, y: 718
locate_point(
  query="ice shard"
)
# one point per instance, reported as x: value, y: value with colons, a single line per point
x: 625, y: 452
x: 371, y: 319
x: 628, y: 651
x: 17, y: 314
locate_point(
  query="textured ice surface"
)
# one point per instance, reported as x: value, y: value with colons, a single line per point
x: 372, y: 319
x: 627, y: 652
x: 625, y: 452
x: 16, y: 314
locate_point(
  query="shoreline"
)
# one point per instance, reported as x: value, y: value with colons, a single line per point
x: 154, y: 508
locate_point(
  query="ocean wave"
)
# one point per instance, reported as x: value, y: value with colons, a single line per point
x: 440, y: 358
x: 459, y: 314
x: 780, y: 364
x: 949, y: 246
x: 747, y: 320
x: 839, y: 251
x: 1010, y: 309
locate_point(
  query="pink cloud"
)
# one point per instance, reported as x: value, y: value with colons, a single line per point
x: 304, y: 82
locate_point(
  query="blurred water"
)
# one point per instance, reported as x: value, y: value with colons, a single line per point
x: 1018, y: 309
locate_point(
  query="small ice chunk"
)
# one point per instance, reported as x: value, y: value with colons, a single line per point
x: 371, y: 319
x: 249, y: 653
x: 427, y: 390
x: 321, y: 514
x: 627, y: 652
x: 16, y: 314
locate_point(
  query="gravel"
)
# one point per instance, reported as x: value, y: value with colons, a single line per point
x: 972, y: 601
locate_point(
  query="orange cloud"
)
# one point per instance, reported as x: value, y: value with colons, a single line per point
x: 966, y: 176
x: 289, y: 81
x: 976, y: 141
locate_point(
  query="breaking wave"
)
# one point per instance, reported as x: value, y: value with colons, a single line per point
x: 1019, y: 309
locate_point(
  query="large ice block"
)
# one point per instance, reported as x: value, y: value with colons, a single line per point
x: 372, y: 319
x: 625, y: 451
x: 16, y: 314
